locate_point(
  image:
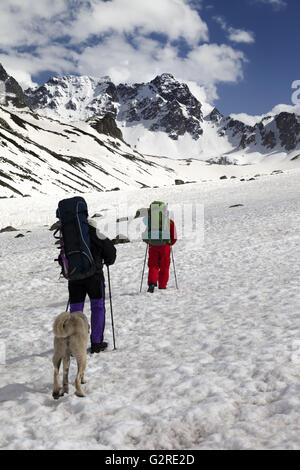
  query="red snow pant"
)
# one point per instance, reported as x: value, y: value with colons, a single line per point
x: 159, y: 264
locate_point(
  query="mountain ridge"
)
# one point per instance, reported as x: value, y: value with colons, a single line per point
x: 163, y: 107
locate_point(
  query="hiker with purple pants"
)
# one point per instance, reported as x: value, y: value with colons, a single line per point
x: 103, y: 251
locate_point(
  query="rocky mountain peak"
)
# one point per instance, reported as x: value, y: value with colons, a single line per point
x: 215, y: 116
x: 14, y: 94
x: 165, y: 80
x: 74, y: 98
x: 164, y: 104
x: 172, y: 90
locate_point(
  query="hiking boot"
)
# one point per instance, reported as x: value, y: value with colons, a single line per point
x: 98, y: 347
x: 151, y: 288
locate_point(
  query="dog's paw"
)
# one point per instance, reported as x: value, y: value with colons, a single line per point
x: 80, y: 394
x: 58, y: 394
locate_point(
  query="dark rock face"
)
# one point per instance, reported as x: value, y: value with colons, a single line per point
x: 111, y: 103
x: 215, y: 116
x: 289, y: 130
x: 127, y: 92
x: 240, y: 133
x: 71, y: 105
x: 173, y: 121
x: 247, y: 140
x: 14, y: 93
x: 268, y: 139
x: 106, y: 125
x: 111, y: 90
x: 173, y: 91
x: 238, y: 128
x: 163, y: 105
x: 39, y: 98
x: 281, y: 131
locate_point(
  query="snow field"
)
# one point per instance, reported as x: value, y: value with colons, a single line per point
x: 214, y: 365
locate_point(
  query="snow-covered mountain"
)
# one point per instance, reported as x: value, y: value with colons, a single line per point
x: 164, y: 118
x: 280, y: 132
x: 73, y: 98
x: 162, y: 105
x: 72, y: 134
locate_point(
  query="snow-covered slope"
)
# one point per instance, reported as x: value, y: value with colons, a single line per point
x: 40, y: 155
x: 214, y: 365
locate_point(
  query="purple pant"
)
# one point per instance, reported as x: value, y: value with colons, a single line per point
x: 97, y: 317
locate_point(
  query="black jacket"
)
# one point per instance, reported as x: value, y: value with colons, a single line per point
x: 103, y: 249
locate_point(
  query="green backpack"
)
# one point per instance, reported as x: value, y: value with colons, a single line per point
x: 158, y: 232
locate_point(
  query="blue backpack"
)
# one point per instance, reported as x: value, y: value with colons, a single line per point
x: 75, y: 256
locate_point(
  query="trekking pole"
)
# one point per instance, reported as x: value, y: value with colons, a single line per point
x: 174, y: 268
x: 68, y: 304
x: 111, y: 309
x: 144, y: 267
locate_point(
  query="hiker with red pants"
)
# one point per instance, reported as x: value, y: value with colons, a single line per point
x: 160, y: 235
x: 103, y: 251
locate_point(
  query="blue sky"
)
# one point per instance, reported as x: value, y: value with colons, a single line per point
x: 272, y: 59
x: 240, y: 55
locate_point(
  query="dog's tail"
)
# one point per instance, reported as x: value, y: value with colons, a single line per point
x: 63, y: 325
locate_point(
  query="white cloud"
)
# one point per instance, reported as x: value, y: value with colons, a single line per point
x: 234, y: 34
x: 215, y: 63
x: 238, y: 35
x: 23, y: 65
x: 286, y: 108
x: 203, y: 94
x: 251, y: 120
x: 27, y: 23
x: 115, y: 38
x: 174, y: 18
x: 23, y: 78
x: 248, y: 119
x: 206, y: 64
